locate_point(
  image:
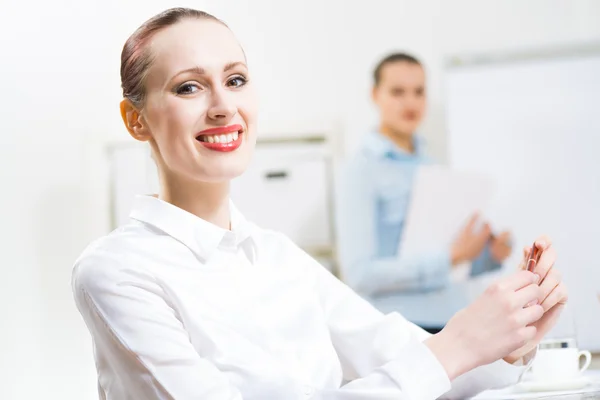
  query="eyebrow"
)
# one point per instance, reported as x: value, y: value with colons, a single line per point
x: 201, y: 71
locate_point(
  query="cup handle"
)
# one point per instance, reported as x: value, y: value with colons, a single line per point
x: 588, y: 359
x: 528, y: 367
x: 525, y: 371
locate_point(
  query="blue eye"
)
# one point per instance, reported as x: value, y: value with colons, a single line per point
x: 187, y: 88
x: 237, y: 81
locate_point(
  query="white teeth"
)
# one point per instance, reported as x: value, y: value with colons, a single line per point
x: 224, y: 138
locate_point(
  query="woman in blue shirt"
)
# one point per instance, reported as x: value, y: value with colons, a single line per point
x: 374, y: 191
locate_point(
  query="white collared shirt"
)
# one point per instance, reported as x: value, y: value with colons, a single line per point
x: 181, y: 309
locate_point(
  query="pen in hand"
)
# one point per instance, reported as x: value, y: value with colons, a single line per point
x: 531, y: 261
x: 533, y: 258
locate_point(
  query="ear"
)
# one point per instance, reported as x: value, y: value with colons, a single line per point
x: 134, y: 122
x: 374, y: 93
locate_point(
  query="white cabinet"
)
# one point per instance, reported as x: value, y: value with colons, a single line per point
x: 288, y: 188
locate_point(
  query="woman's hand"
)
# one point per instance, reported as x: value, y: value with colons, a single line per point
x: 470, y: 241
x: 507, y: 321
x: 500, y: 322
x: 553, y: 296
x: 501, y: 246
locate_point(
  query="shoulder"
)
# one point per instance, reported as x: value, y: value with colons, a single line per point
x: 277, y: 248
x: 109, y: 261
x: 360, y: 158
x: 357, y: 167
x: 273, y: 239
x: 356, y: 177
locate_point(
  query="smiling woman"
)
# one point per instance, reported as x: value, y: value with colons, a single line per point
x: 190, y: 101
x: 188, y: 300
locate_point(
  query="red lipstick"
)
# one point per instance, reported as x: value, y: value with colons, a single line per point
x: 221, y: 138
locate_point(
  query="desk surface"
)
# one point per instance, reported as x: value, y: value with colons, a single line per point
x: 582, y: 396
x: 592, y: 391
x: 589, y: 395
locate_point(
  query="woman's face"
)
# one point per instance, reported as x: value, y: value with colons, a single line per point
x: 200, y: 108
x: 401, y: 97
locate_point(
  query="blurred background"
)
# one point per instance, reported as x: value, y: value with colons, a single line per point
x: 67, y: 165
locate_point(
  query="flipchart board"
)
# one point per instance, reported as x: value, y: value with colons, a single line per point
x: 532, y: 122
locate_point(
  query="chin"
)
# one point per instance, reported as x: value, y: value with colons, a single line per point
x: 222, y: 172
x: 407, y: 129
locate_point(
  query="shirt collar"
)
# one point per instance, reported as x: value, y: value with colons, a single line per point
x: 382, y: 147
x: 201, y: 236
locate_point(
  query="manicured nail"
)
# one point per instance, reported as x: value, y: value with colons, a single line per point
x: 532, y: 303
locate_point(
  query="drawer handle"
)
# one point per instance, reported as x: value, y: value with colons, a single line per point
x: 276, y: 175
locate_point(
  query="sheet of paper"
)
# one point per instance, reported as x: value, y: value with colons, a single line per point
x: 442, y: 201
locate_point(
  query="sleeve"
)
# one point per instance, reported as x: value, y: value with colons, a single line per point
x: 145, y: 351
x: 356, y: 241
x: 384, y: 355
x: 497, y: 375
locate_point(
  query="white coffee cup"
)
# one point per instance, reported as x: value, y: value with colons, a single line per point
x: 559, y: 360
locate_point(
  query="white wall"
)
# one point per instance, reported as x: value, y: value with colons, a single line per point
x: 59, y: 97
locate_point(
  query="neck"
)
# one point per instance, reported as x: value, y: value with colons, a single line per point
x: 207, y: 200
x: 402, y: 140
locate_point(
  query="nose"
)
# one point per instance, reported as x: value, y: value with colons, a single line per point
x: 411, y: 102
x: 222, y: 107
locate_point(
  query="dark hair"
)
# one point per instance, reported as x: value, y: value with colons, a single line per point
x: 393, y: 58
x: 135, y: 58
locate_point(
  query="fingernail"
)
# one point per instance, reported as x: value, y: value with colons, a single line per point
x: 536, y: 277
x: 532, y: 303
